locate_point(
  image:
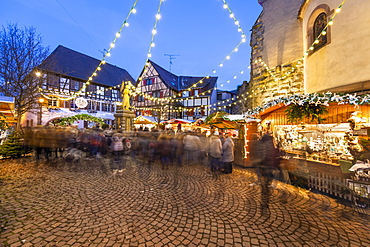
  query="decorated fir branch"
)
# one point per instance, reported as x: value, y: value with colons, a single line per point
x: 314, y: 99
x: 70, y: 120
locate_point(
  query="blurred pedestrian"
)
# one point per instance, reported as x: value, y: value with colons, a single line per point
x: 269, y: 164
x: 228, y: 154
x: 255, y: 153
x: 192, y: 146
x: 215, y: 152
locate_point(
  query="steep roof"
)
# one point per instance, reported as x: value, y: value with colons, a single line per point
x: 80, y: 66
x: 180, y: 83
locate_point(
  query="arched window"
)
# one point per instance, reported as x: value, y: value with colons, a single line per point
x: 319, y: 25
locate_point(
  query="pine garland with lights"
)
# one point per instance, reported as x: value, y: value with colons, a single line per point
x: 85, y: 117
x: 315, y: 99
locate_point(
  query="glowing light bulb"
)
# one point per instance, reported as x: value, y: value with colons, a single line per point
x: 225, y: 6
x: 221, y: 65
x: 228, y: 81
x: 152, y: 44
x: 214, y: 71
x: 90, y: 79
x: 330, y: 23
x: 149, y: 55
x: 249, y: 67
x: 244, y: 40
x: 108, y: 54
x: 118, y: 35
x: 133, y: 11
x: 103, y: 61
x: 95, y: 74
x: 311, y: 48
x: 112, y: 45
x: 323, y: 32
x: 221, y: 86
x: 237, y: 23
x: 154, y: 31
x: 228, y: 57
x: 242, y: 72
x: 337, y: 10
x: 236, y: 49
x: 158, y: 16
x: 99, y: 68
x: 126, y: 24
x: 235, y: 77
x: 316, y: 41
x: 231, y: 15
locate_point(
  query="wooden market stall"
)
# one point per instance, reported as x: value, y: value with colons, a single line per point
x: 322, y: 153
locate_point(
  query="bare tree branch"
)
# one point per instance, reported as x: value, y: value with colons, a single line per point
x: 20, y: 52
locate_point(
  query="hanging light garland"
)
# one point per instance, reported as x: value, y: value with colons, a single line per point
x: 103, y: 60
x: 152, y: 44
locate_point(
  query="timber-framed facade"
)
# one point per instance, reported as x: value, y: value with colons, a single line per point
x: 171, y: 96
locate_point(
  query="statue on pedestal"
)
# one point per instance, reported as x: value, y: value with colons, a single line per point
x: 126, y: 96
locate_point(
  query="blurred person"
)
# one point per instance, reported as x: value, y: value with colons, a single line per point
x: 269, y: 163
x: 117, y: 148
x: 255, y: 153
x: 191, y: 146
x: 179, y: 147
x: 228, y: 154
x: 203, y: 151
x: 215, y: 152
x: 164, y: 150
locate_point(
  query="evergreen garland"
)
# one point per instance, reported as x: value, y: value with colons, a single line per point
x: 298, y: 113
x: 86, y: 117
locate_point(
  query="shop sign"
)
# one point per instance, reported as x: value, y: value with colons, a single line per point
x: 81, y: 102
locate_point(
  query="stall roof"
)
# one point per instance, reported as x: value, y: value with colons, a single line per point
x: 226, y: 121
x: 145, y: 120
x: 7, y: 108
x: 179, y: 120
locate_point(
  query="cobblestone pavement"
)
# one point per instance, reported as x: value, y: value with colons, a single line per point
x: 86, y: 205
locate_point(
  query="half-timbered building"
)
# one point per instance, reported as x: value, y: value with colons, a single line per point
x: 64, y: 73
x: 171, y: 96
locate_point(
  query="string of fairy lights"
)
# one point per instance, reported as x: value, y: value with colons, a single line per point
x: 101, y: 63
x: 137, y: 91
x: 307, y: 52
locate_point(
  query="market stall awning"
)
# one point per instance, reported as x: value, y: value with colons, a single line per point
x: 225, y: 121
x: 145, y: 120
x: 178, y: 121
x: 7, y: 109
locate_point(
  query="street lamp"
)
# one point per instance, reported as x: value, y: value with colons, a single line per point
x: 39, y: 117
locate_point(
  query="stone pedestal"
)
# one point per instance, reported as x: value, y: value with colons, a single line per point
x: 124, y: 120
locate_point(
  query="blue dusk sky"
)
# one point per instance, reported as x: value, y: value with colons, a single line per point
x: 200, y: 32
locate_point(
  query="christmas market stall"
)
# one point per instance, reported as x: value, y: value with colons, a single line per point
x: 143, y: 122
x: 7, y: 117
x: 178, y: 124
x: 322, y: 135
x: 240, y: 128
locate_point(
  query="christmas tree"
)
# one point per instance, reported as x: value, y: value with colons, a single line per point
x: 12, y: 146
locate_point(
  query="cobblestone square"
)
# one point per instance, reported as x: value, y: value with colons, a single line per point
x: 85, y: 204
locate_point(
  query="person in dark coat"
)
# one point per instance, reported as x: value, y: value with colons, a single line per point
x: 228, y: 154
x: 269, y: 163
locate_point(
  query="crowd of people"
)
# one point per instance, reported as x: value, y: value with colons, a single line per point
x: 168, y: 148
